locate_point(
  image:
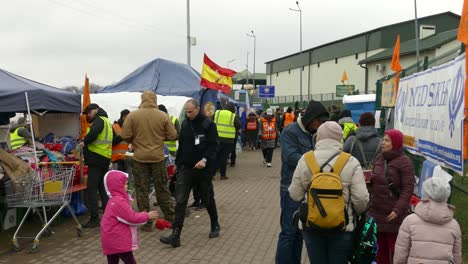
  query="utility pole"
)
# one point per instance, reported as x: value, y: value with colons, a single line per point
x: 300, y: 46
x: 255, y: 44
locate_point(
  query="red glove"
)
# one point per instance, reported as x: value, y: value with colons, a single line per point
x: 161, y: 224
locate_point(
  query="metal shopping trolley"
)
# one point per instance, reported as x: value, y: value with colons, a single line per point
x: 50, y: 185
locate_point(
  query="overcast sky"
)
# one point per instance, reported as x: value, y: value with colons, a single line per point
x: 57, y: 41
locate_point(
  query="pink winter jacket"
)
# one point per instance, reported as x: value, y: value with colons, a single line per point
x: 119, y: 222
x: 430, y: 235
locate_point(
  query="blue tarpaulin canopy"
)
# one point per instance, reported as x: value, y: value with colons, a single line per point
x: 41, y: 96
x: 164, y: 77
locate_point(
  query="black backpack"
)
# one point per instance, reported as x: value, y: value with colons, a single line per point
x: 365, y: 240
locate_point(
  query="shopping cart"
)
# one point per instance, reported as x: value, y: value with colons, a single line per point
x: 50, y: 185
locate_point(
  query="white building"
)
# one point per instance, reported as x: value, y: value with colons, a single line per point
x: 322, y: 66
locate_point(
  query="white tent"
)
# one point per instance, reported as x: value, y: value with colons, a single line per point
x: 113, y: 103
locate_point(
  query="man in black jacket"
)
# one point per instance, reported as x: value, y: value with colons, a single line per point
x: 97, y: 153
x: 196, y: 160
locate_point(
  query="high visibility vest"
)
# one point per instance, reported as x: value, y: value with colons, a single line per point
x: 224, y: 121
x: 119, y: 150
x: 171, y: 145
x: 16, y: 141
x: 268, y: 129
x: 252, y: 124
x: 288, y: 119
x: 347, y: 129
x: 103, y: 143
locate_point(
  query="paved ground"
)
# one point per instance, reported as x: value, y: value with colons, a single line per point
x: 248, y: 207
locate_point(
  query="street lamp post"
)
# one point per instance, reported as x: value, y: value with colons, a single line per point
x: 252, y: 35
x: 229, y: 62
x: 188, y: 33
x: 300, y: 45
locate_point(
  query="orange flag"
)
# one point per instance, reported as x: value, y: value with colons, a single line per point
x: 86, y: 102
x: 463, y: 37
x: 344, y: 77
x: 396, y: 66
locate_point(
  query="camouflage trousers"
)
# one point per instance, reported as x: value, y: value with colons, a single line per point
x: 156, y: 173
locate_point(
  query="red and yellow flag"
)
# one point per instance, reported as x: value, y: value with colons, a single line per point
x: 463, y: 37
x: 216, y: 77
x: 344, y: 77
x: 86, y: 102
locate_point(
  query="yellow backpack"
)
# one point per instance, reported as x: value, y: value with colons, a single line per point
x: 326, y: 209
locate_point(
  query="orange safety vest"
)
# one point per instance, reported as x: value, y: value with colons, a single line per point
x: 252, y: 124
x: 119, y: 150
x: 288, y: 119
x: 269, y: 129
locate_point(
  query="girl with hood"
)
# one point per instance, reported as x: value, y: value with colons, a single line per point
x: 430, y: 235
x: 119, y: 223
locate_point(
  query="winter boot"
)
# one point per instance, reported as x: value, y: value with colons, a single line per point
x: 173, y: 239
x: 215, y: 229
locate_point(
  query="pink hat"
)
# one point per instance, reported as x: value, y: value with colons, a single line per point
x: 330, y: 130
x: 397, y: 138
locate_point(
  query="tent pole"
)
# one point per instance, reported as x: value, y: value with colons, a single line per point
x: 32, y: 131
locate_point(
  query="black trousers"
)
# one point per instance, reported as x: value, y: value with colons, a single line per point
x: 268, y: 154
x: 223, y: 155
x: 95, y: 184
x: 187, y: 179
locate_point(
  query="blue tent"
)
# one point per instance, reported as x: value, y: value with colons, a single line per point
x: 164, y: 77
x: 41, y: 96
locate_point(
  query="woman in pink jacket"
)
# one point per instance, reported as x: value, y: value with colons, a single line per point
x: 119, y: 223
x: 430, y: 235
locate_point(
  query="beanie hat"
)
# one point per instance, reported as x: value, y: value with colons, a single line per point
x: 162, y: 108
x: 436, y: 189
x: 397, y: 138
x: 90, y: 107
x: 345, y: 113
x: 367, y: 119
x: 124, y: 112
x: 315, y: 110
x: 330, y: 130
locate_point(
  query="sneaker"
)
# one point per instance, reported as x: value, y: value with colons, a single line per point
x: 214, y: 232
x: 269, y: 165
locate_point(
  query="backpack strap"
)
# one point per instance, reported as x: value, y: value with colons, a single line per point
x: 311, y: 162
x: 361, y: 149
x: 340, y: 162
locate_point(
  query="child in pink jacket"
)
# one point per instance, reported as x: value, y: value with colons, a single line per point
x: 119, y: 222
x: 430, y: 235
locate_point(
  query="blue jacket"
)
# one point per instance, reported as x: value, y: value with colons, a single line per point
x: 294, y: 143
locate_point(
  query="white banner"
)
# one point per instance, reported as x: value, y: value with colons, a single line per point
x: 430, y: 109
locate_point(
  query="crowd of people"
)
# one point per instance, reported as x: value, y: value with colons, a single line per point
x: 333, y: 172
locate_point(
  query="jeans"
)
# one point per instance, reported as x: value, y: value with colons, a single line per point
x: 289, y: 246
x: 223, y: 154
x: 95, y: 184
x: 328, y: 248
x: 268, y: 154
x: 188, y: 178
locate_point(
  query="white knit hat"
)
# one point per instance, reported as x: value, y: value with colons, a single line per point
x: 329, y: 130
x: 436, y: 189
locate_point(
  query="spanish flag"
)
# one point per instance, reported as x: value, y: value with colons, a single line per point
x: 216, y: 77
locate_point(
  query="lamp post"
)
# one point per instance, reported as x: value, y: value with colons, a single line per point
x: 252, y: 35
x: 188, y: 33
x: 229, y: 62
x: 300, y: 44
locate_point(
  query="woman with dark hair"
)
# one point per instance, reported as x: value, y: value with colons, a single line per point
x: 392, y: 184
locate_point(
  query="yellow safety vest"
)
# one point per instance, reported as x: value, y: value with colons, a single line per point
x: 16, y: 141
x: 171, y: 145
x: 224, y: 121
x: 103, y: 143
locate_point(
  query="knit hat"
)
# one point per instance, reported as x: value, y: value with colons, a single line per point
x: 436, y: 189
x: 397, y: 138
x: 90, y: 107
x: 344, y: 113
x: 124, y: 112
x: 330, y: 130
x: 162, y: 108
x: 367, y: 119
x: 313, y: 111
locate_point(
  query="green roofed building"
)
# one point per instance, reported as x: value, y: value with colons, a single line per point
x: 366, y: 57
